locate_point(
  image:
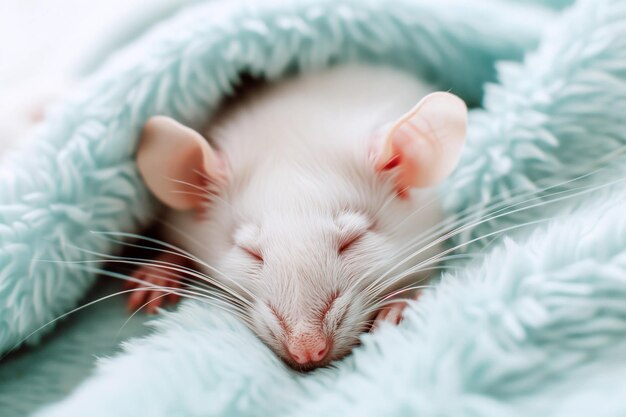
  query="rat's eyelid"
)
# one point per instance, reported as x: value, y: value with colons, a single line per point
x: 347, y: 241
x: 268, y: 319
x: 342, y: 318
x: 338, y: 310
x: 269, y: 315
x: 280, y: 319
x: 352, y: 226
x: 253, y: 252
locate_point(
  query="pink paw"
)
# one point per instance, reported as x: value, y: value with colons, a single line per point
x: 392, y: 313
x: 161, y: 273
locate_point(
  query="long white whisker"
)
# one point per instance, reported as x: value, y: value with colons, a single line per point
x: 196, y: 259
x: 175, y: 250
x: 79, y: 308
x: 501, y: 206
x: 435, y: 258
x: 207, y: 295
x: 487, y: 219
x: 192, y: 283
x: 210, y: 180
x: 388, y: 301
x: 175, y: 267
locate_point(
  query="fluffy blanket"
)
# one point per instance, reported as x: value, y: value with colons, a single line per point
x: 537, y: 327
x: 79, y: 175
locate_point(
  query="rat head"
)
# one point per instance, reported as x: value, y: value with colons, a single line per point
x: 310, y: 272
x: 313, y: 258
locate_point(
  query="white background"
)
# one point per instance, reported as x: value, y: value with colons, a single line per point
x: 41, y: 41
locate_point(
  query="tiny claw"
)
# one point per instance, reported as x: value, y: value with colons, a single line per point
x: 395, y: 314
x: 173, y: 298
x: 155, y: 300
x: 392, y: 313
x: 136, y: 300
x: 150, y: 276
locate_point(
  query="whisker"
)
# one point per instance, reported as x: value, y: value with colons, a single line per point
x: 460, y: 219
x: 177, y: 268
x: 197, y: 187
x: 200, y: 286
x: 232, y: 308
x: 435, y: 258
x: 117, y: 335
x: 490, y: 218
x: 216, y: 296
x: 503, y: 203
x: 194, y: 258
x: 213, y: 196
x: 383, y: 206
x: 388, y: 301
x: 176, y: 250
x: 170, y: 267
x: 79, y: 308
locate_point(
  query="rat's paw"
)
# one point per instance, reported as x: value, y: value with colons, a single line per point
x: 153, y: 284
x: 392, y: 313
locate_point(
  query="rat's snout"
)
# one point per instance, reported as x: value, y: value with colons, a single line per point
x: 308, y: 348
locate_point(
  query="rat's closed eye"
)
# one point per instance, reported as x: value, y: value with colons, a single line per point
x: 352, y: 228
x: 335, y: 313
x: 246, y: 238
x: 253, y: 253
x: 348, y: 242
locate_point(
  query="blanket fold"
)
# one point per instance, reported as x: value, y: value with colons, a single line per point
x: 535, y: 325
x: 79, y: 175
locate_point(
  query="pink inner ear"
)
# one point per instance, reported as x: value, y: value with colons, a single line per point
x: 392, y: 163
x: 395, y: 161
x: 178, y: 164
x: 423, y: 147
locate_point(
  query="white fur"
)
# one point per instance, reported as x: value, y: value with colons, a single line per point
x: 301, y: 181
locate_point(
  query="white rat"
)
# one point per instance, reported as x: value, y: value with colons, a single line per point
x: 313, y: 188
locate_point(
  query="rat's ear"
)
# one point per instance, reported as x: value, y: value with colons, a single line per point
x: 424, y: 145
x: 176, y: 163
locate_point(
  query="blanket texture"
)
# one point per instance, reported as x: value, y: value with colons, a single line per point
x: 539, y: 328
x: 79, y: 175
x: 535, y: 327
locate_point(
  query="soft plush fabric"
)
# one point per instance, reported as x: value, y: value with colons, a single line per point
x: 79, y: 175
x: 558, y: 117
x: 33, y: 377
x: 535, y: 328
x: 538, y: 329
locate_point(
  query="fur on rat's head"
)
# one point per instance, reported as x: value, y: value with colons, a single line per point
x: 307, y: 231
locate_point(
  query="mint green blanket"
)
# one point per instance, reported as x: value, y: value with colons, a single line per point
x: 535, y: 327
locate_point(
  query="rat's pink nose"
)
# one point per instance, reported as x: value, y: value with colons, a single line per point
x: 308, y: 349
